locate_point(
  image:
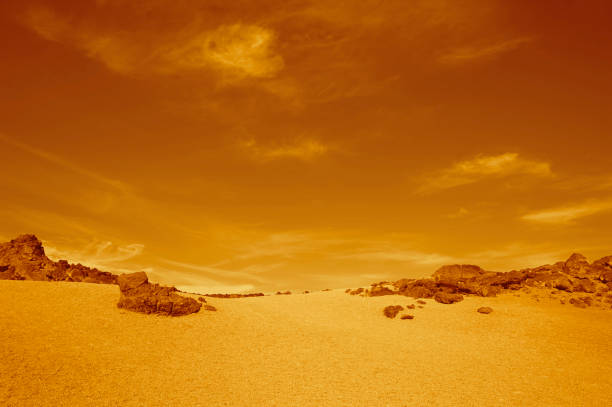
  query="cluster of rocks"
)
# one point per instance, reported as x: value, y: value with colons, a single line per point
x: 450, y: 283
x: 137, y: 294
x: 391, y: 311
x: 24, y: 258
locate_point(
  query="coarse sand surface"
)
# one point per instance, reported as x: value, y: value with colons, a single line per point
x: 67, y: 344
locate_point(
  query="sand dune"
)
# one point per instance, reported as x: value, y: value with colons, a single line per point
x: 68, y: 344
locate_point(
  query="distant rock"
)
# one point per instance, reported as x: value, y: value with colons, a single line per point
x: 283, y: 293
x: 447, y: 298
x: 356, y: 291
x: 392, y: 310
x: 23, y: 258
x: 485, y: 310
x: 202, y: 299
x: 137, y: 294
x: 411, y: 306
x: 577, y: 302
x: 407, y: 316
x: 208, y: 307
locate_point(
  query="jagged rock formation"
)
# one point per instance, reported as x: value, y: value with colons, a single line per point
x: 449, y: 283
x: 24, y: 258
x: 137, y: 294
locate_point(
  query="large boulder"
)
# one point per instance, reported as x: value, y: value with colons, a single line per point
x: 576, y: 265
x: 452, y: 274
x: 603, y: 269
x: 137, y: 294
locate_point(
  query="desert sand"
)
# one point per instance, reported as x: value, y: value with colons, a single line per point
x: 69, y: 344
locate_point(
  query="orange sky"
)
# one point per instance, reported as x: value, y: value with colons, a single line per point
x: 264, y: 145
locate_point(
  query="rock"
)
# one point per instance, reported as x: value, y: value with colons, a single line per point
x: 23, y: 258
x: 392, y: 310
x: 583, y: 285
x: 357, y: 291
x: 562, y: 283
x: 208, y: 307
x: 451, y: 274
x: 132, y: 281
x: 447, y: 298
x: 576, y: 266
x: 407, y: 316
x: 377, y: 291
x: 421, y: 302
x: 485, y: 310
x: 411, y: 306
x: 576, y: 302
x: 201, y: 299
x: 137, y: 294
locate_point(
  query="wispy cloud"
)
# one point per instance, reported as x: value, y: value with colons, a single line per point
x: 408, y: 256
x: 567, y: 214
x: 63, y: 163
x: 471, y: 53
x: 235, y: 51
x: 483, y: 167
x: 304, y: 149
x: 105, y: 255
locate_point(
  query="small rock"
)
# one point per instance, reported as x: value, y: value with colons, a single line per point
x: 407, y: 316
x: 411, y: 306
x: 209, y: 308
x: 485, y: 310
x: 447, y: 298
x: 201, y: 299
x: 392, y: 310
x: 421, y: 302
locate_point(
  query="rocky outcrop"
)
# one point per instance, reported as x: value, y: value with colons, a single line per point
x: 24, y: 258
x: 137, y: 294
x: 450, y: 283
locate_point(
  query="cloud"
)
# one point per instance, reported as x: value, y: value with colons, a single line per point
x: 305, y: 149
x: 470, y: 53
x: 234, y: 51
x: 237, y: 50
x: 483, y: 167
x: 567, y: 214
x: 63, y: 163
x: 105, y: 255
x: 407, y: 256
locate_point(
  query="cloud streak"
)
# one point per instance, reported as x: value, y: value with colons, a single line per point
x: 63, y: 163
x: 304, y: 149
x: 467, y: 54
x: 234, y: 51
x: 483, y: 167
x: 567, y: 214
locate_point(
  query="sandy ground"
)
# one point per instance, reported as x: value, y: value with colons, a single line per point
x: 68, y: 344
